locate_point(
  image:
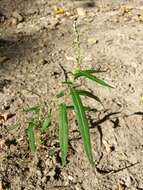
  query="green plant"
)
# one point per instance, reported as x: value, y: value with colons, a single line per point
x: 36, y: 126
x: 80, y: 113
x: 73, y: 92
x: 78, y: 107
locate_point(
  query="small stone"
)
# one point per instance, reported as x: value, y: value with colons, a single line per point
x: 2, y: 142
x: 81, y: 12
x: 3, y: 59
x: 140, y: 18
x: 70, y: 178
x: 17, y: 16
x: 92, y: 41
x: 92, y: 14
x: 1, y: 185
x: 78, y: 187
x: 126, y: 19
x: 69, y: 13
x: 124, y: 10
x: 121, y: 187
x: 141, y: 98
x: 13, y: 148
x: 115, y: 20
x: 109, y: 148
x: 54, y: 24
x: 2, y: 18
x: 13, y: 22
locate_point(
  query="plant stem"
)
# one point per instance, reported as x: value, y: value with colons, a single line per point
x: 78, y: 48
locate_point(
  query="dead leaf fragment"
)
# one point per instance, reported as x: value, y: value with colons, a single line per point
x: 59, y: 10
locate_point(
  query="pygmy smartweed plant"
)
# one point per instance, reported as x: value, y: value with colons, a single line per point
x: 74, y: 92
x: 78, y: 107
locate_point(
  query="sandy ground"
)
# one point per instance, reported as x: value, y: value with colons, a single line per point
x: 34, y: 42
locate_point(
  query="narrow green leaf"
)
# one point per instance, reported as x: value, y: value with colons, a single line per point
x: 31, y: 136
x: 89, y: 94
x: 34, y: 109
x: 91, y: 71
x: 82, y: 123
x: 46, y: 123
x: 82, y: 73
x: 63, y: 132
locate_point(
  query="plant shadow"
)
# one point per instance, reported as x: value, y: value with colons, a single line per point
x: 97, y: 124
x: 113, y: 117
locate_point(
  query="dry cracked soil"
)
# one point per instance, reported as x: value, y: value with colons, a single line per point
x: 36, y: 42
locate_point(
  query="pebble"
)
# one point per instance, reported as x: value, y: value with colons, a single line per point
x: 92, y: 41
x: 140, y: 18
x: 13, y: 22
x: 70, y: 178
x: 16, y: 19
x: 54, y: 24
x: 81, y: 11
x: 17, y: 16
x: 3, y: 59
x: 2, y: 18
x: 13, y: 148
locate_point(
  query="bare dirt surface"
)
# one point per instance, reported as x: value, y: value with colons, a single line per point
x: 34, y: 41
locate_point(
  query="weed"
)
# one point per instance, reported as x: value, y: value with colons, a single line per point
x: 78, y: 107
x: 31, y: 136
x: 73, y: 92
x: 36, y: 127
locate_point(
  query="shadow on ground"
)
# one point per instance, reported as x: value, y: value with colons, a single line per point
x: 87, y: 3
x: 12, y: 52
x: 22, y: 6
x: 12, y: 49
